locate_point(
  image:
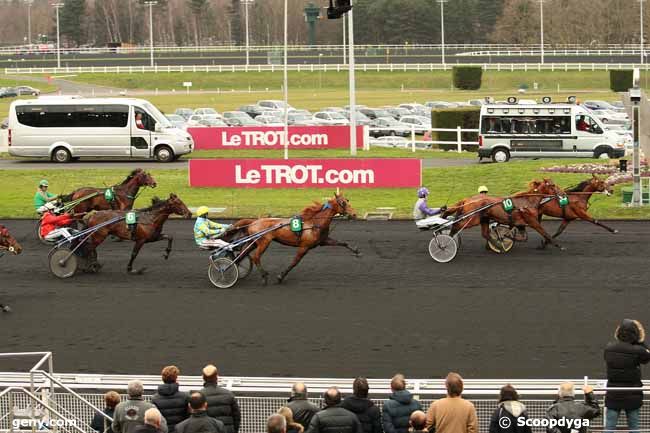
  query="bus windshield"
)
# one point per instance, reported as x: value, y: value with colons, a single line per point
x: 157, y: 115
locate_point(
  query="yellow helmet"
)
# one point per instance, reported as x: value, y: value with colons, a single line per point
x: 201, y: 211
x: 482, y: 189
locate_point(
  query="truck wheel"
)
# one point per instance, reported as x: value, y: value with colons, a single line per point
x: 164, y: 154
x: 500, y: 155
x: 62, y: 155
x: 603, y: 153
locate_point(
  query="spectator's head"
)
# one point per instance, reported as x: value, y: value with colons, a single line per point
x: 360, y: 387
x: 398, y: 383
x: 630, y: 331
x: 567, y: 389
x: 454, y: 385
x: 418, y: 420
x: 287, y: 414
x: 508, y: 393
x: 198, y: 402
x: 276, y: 424
x: 332, y: 396
x: 170, y: 374
x: 135, y: 389
x: 111, y: 398
x: 210, y: 374
x: 299, y: 390
x: 152, y: 417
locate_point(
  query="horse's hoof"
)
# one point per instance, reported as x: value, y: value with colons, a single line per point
x: 279, y: 279
x: 138, y: 271
x: 562, y: 248
x: 6, y: 309
x: 615, y: 232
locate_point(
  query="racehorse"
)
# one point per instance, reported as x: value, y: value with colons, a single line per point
x: 148, y: 228
x: 8, y: 243
x: 577, y: 207
x: 525, y: 210
x: 316, y: 220
x: 124, y: 193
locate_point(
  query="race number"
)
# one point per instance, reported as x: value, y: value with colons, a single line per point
x: 131, y: 218
x: 109, y: 195
x: 564, y: 200
x: 296, y: 224
x: 508, y: 206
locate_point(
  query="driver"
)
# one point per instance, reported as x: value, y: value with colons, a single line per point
x: 582, y: 124
x: 421, y: 209
x: 53, y: 227
x: 483, y: 190
x: 43, y: 196
x: 206, y: 232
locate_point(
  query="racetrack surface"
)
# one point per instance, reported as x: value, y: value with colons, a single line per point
x: 528, y: 314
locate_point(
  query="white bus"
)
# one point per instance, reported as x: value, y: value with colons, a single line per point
x: 544, y: 130
x: 69, y: 128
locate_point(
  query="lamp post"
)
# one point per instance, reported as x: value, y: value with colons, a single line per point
x: 541, y: 29
x: 641, y: 25
x: 320, y: 71
x: 345, y: 53
x: 58, y: 6
x: 442, y: 28
x: 29, y: 21
x: 246, y: 3
x: 286, y: 81
x: 151, y: 5
x: 353, y: 90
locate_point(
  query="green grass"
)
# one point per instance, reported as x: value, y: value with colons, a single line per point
x: 445, y: 184
x: 6, y: 81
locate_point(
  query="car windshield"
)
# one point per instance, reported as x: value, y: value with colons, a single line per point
x: 157, y: 115
x: 299, y: 117
x: 337, y: 116
x: 381, y: 113
x: 208, y: 111
x: 388, y: 121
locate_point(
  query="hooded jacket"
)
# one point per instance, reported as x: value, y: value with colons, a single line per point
x: 366, y: 411
x: 223, y: 406
x: 624, y: 358
x: 171, y: 403
x: 511, y: 410
x: 303, y: 410
x: 397, y: 411
x: 334, y: 419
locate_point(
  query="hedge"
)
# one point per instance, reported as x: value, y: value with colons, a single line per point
x: 620, y: 80
x: 465, y: 117
x: 467, y: 77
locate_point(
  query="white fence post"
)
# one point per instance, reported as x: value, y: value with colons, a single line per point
x: 459, y: 139
x: 412, y: 138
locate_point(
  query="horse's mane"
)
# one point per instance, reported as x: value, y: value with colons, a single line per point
x: 156, y: 203
x: 580, y: 187
x: 131, y: 175
x: 312, y: 210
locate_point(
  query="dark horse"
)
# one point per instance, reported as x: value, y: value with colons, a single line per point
x: 8, y: 243
x: 125, y: 193
x: 578, y: 204
x: 148, y: 228
x: 316, y: 220
x: 525, y: 212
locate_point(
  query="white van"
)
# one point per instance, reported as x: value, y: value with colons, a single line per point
x: 68, y: 128
x: 544, y: 130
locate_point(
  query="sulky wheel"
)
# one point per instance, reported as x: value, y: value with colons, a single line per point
x: 37, y: 232
x: 63, y: 262
x: 222, y: 272
x: 500, y: 239
x: 456, y: 236
x: 244, y: 267
x: 443, y: 248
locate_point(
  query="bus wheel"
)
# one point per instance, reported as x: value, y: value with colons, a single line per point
x: 602, y: 153
x: 164, y: 154
x: 500, y: 155
x: 61, y: 154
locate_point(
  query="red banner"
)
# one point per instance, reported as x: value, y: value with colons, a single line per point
x: 306, y: 173
x: 271, y: 137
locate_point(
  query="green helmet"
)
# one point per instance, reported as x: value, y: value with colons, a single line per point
x: 43, y: 183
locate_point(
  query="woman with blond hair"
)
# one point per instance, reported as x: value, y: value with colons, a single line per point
x: 292, y: 426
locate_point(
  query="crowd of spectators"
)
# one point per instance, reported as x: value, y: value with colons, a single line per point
x: 214, y: 409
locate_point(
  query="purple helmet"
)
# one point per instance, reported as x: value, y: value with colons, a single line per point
x: 423, y: 192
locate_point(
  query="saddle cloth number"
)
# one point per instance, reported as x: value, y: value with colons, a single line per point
x: 296, y: 224
x: 508, y: 206
x: 563, y: 200
x: 131, y: 218
x: 109, y: 195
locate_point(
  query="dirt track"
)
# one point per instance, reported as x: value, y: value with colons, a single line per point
x: 541, y: 314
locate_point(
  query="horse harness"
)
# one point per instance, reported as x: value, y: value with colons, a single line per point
x: 296, y: 222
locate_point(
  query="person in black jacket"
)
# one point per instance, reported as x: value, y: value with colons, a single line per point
x: 399, y: 407
x: 333, y: 418
x: 199, y: 421
x: 624, y: 358
x: 574, y: 413
x: 302, y: 409
x: 508, y: 412
x: 222, y: 403
x: 99, y: 422
x: 171, y: 402
x: 359, y: 404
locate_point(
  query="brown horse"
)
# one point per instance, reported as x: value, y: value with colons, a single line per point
x: 525, y: 212
x: 577, y: 207
x: 316, y: 220
x: 148, y: 228
x: 125, y: 193
x: 8, y: 243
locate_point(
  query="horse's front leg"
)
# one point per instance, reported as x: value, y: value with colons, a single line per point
x: 329, y: 242
x: 136, y: 249
x: 5, y: 308
x: 170, y: 241
x: 583, y: 215
x: 299, y: 255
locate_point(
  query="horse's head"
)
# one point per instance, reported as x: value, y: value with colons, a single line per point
x: 546, y: 187
x: 342, y: 205
x: 600, y: 185
x: 8, y: 242
x: 176, y: 205
x: 144, y: 179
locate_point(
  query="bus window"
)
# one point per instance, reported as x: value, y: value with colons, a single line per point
x: 143, y: 120
x: 587, y: 124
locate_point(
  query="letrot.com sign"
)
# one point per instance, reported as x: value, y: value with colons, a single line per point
x: 272, y: 137
x: 307, y: 173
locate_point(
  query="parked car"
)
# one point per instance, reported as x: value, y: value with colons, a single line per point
x: 235, y: 115
x: 602, y: 105
x: 362, y: 119
x: 390, y: 141
x: 374, y: 113
x: 358, y: 107
x: 203, y: 111
x: 333, y: 109
x: 253, y: 110
x: 242, y: 121
x: 176, y: 121
x: 273, y: 113
x: 397, y: 112
x: 27, y: 90
x: 212, y: 122
x: 300, y: 119
x: 395, y: 128
x: 478, y: 102
x: 330, y: 118
x: 413, y: 107
x: 8, y: 92
x: 196, y: 119
x: 5, y: 123
x: 271, y: 104
x: 270, y: 120
x: 610, y: 116
x: 418, y: 123
x: 440, y: 104
x: 299, y: 111
x: 185, y: 113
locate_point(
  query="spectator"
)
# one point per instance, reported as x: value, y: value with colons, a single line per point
x: 199, y: 421
x: 302, y: 409
x: 130, y: 413
x: 171, y: 402
x: 452, y: 414
x: 292, y: 426
x: 399, y: 407
x: 276, y: 424
x: 510, y: 409
x: 573, y: 412
x: 152, y: 421
x: 333, y: 418
x: 368, y: 413
x: 624, y: 358
x: 99, y: 422
x: 222, y: 403
x: 418, y: 422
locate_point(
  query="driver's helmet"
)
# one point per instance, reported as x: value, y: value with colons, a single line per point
x: 44, y: 182
x: 482, y: 189
x: 202, y: 211
x: 423, y: 192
